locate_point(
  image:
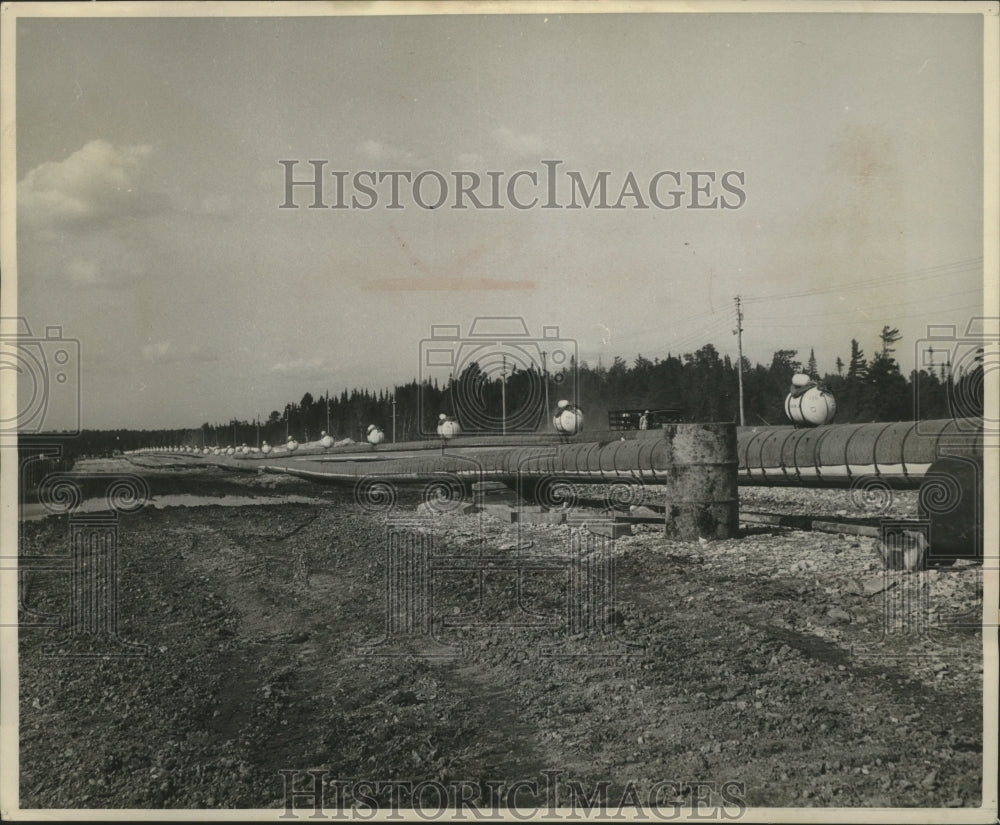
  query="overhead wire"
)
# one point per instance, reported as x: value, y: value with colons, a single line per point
x: 953, y: 268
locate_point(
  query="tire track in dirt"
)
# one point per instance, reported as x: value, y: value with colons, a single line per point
x: 261, y: 673
x: 296, y: 630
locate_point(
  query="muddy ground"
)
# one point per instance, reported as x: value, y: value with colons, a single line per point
x: 786, y: 662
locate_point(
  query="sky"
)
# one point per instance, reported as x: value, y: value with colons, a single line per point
x: 150, y: 186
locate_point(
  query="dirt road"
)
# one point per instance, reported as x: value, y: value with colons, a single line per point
x: 777, y: 661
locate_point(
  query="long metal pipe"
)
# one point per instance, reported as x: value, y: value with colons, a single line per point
x: 652, y: 458
x: 835, y: 455
x: 899, y: 453
x: 699, y: 466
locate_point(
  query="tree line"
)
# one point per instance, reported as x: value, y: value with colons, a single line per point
x: 700, y: 386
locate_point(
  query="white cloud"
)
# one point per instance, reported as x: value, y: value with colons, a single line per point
x: 470, y: 160
x: 99, y: 260
x: 378, y: 150
x: 159, y: 352
x: 299, y: 365
x: 156, y: 352
x: 96, y: 183
x: 524, y: 143
x: 81, y: 271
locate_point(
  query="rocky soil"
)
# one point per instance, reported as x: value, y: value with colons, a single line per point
x: 786, y: 662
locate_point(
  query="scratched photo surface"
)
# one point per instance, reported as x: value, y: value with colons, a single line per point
x: 548, y: 411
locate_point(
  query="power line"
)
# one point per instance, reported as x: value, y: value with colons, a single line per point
x: 802, y: 316
x: 903, y: 277
x: 937, y: 271
x: 688, y: 320
x: 683, y: 342
x: 693, y: 337
x: 922, y: 314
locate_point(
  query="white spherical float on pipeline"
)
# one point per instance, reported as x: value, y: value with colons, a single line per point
x: 568, y: 419
x: 325, y: 440
x: 230, y: 450
x: 265, y: 448
x: 809, y: 403
x: 448, y: 426
x: 291, y: 445
x: 244, y: 448
x: 375, y: 434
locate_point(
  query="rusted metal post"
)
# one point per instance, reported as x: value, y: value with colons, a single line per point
x: 701, y: 495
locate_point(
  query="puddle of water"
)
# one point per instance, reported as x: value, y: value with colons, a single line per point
x: 34, y: 512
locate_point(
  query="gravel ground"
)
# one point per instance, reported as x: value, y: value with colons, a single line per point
x: 785, y: 661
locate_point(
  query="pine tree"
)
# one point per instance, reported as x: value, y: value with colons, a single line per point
x: 888, y: 337
x: 858, y: 367
x: 813, y: 372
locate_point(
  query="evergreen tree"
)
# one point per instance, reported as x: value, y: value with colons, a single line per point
x: 886, y: 396
x: 857, y: 366
x: 888, y: 337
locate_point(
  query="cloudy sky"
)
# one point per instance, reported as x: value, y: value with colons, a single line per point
x: 149, y: 188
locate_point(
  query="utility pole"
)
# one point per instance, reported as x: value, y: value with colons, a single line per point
x: 738, y: 332
x: 393, y: 415
x: 328, y: 412
x: 545, y: 378
x: 503, y: 395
